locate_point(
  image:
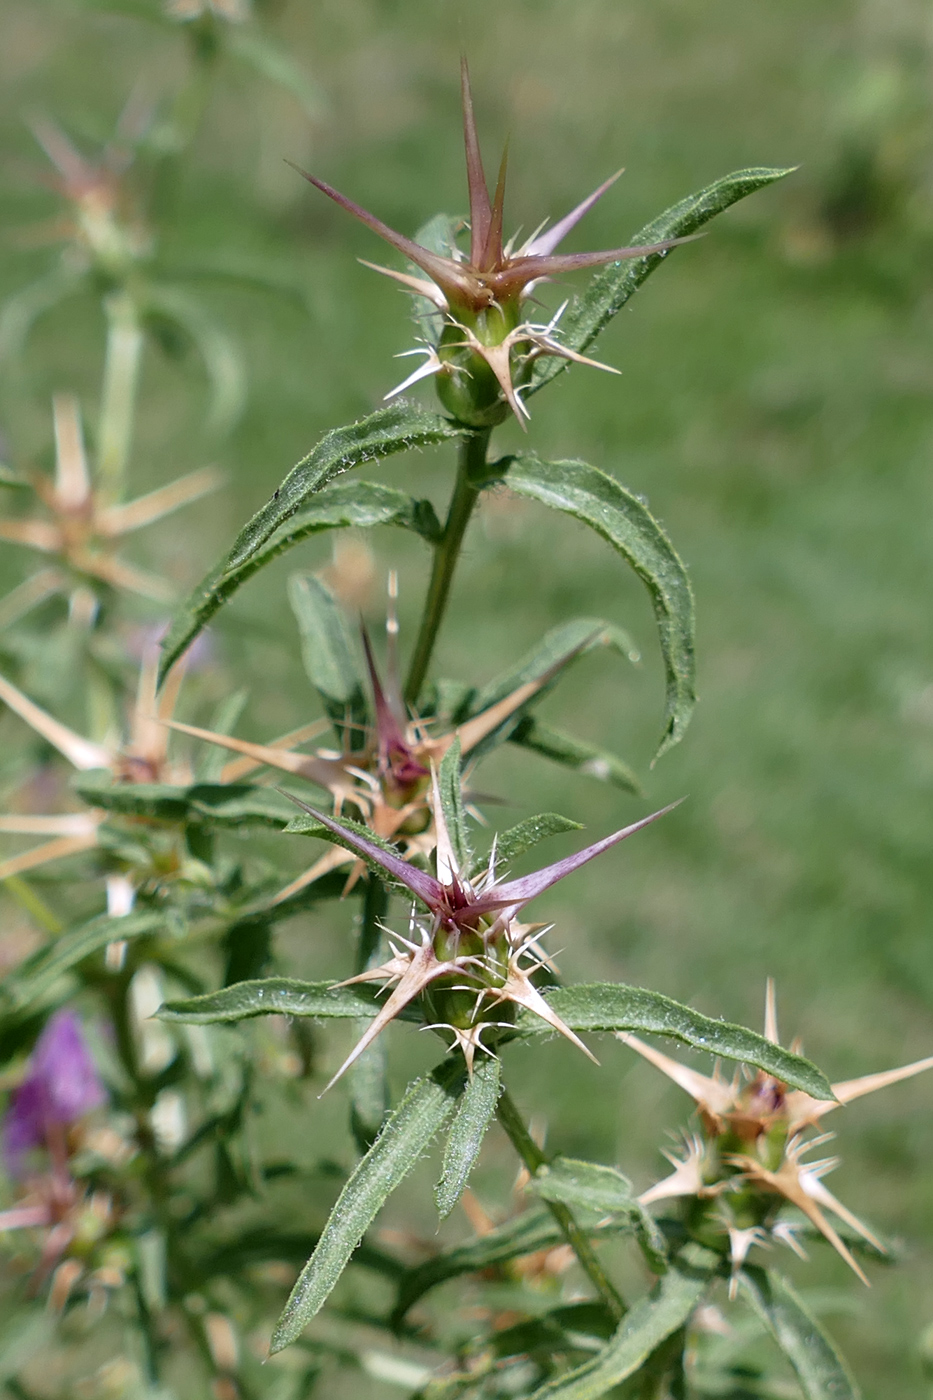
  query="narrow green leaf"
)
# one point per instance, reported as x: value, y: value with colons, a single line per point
x: 592, y: 1187
x: 448, y: 782
x: 556, y: 649
x: 651, y: 1321
x: 822, y: 1373
x: 524, y: 1234
x: 395, y: 429
x: 608, y: 1006
x: 626, y: 523
x: 438, y: 235
x: 330, y: 657
x: 369, y: 1089
x: 158, y: 800
x: 218, y: 804
x: 34, y: 976
x: 223, y: 721
x: 407, y: 1133
x: 277, y: 64
x: 578, y: 754
x: 269, y: 996
x: 222, y: 361
x: 611, y: 287
x: 309, y: 826
x: 475, y: 1112
x: 521, y: 838
x: 235, y: 805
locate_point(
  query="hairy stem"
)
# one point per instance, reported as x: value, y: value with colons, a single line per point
x: 118, y: 399
x: 533, y: 1158
x: 446, y: 553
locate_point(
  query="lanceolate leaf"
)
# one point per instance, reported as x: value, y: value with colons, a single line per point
x: 214, y: 804
x: 269, y: 996
x: 611, y: 287
x: 525, y: 1234
x: 448, y: 783
x: 327, y: 650
x: 521, y: 838
x: 820, y: 1370
x: 33, y: 977
x: 557, y: 648
x: 578, y: 754
x: 593, y: 1187
x: 394, y: 429
x: 626, y: 523
x: 607, y: 1006
x: 408, y: 1131
x: 651, y: 1321
x: 475, y: 1112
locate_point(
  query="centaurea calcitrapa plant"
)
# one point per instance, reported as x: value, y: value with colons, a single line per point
x: 148, y: 1224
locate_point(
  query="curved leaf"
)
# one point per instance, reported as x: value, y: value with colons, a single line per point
x: 406, y: 1134
x: 34, y: 976
x: 395, y: 429
x: 475, y: 1112
x: 611, y: 287
x: 594, y: 1187
x: 521, y: 838
x: 525, y: 1234
x: 557, y: 648
x: 822, y: 1373
x: 578, y: 754
x: 269, y: 996
x: 608, y: 1006
x: 215, y: 804
x: 225, y: 369
x: 626, y: 523
x: 650, y: 1322
x: 451, y: 795
x: 327, y: 651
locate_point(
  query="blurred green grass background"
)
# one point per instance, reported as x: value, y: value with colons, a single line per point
x: 774, y: 406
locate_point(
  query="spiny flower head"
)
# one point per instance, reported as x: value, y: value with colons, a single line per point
x: 82, y: 526
x: 749, y: 1158
x: 470, y: 961
x: 387, y: 780
x: 103, y: 229
x: 139, y: 757
x: 487, y: 348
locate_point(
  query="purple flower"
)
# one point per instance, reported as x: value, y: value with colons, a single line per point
x: 61, y: 1086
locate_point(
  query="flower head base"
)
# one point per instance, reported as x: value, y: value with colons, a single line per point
x: 470, y: 961
x: 488, y: 348
x: 748, y: 1160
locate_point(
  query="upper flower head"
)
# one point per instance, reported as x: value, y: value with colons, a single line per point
x: 485, y: 337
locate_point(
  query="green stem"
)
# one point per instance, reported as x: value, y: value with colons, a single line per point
x: 470, y: 472
x: 118, y: 399
x: 533, y: 1158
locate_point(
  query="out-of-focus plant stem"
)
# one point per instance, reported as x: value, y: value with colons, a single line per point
x: 118, y: 399
x: 533, y: 1158
x: 470, y: 471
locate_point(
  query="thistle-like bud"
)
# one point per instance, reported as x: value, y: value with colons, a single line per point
x: 487, y: 347
x: 747, y: 1161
